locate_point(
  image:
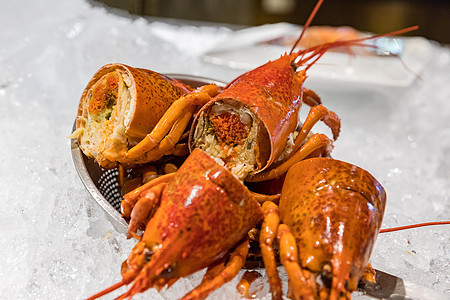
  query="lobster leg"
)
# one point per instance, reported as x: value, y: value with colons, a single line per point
x: 311, y: 98
x: 318, y: 141
x: 145, y: 208
x: 266, y: 238
x: 169, y: 141
x: 261, y: 198
x: 213, y: 271
x: 316, y: 114
x: 301, y: 287
x: 170, y: 117
x: 231, y: 269
x: 130, y: 199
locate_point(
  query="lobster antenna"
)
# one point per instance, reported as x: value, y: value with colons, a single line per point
x: 392, y: 33
x: 310, y: 18
x: 108, y: 290
x: 414, y: 226
x: 318, y: 51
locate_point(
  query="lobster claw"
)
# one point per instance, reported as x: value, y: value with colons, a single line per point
x: 204, y: 211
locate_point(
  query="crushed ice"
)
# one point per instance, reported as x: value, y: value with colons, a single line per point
x: 55, y: 241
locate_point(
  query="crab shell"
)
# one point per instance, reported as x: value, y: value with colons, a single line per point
x: 335, y: 210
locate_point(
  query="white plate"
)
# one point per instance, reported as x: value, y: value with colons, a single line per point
x: 340, y: 68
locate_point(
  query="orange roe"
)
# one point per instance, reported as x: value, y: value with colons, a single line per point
x: 229, y: 129
x: 104, y: 94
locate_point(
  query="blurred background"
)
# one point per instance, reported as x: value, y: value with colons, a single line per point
x: 377, y: 16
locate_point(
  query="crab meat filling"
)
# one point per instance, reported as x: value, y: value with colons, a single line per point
x: 228, y: 133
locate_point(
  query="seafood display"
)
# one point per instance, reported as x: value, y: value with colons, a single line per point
x: 321, y: 225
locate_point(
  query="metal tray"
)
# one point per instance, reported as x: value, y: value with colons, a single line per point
x: 102, y: 183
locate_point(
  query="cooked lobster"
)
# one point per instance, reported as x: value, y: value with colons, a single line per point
x: 200, y: 216
x: 325, y: 227
x: 326, y: 224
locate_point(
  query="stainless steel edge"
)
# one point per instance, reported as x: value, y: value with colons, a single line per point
x: 194, y: 78
x: 112, y: 214
x: 388, y: 286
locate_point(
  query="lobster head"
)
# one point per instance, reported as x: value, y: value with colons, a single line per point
x: 204, y: 212
x: 334, y: 209
x: 249, y: 123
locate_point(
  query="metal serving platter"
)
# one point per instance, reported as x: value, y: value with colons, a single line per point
x: 102, y: 183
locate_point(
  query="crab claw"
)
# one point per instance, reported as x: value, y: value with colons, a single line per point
x: 204, y: 212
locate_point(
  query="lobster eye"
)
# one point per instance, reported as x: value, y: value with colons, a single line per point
x: 294, y: 66
x: 148, y: 254
x: 167, y: 273
x: 325, y: 278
